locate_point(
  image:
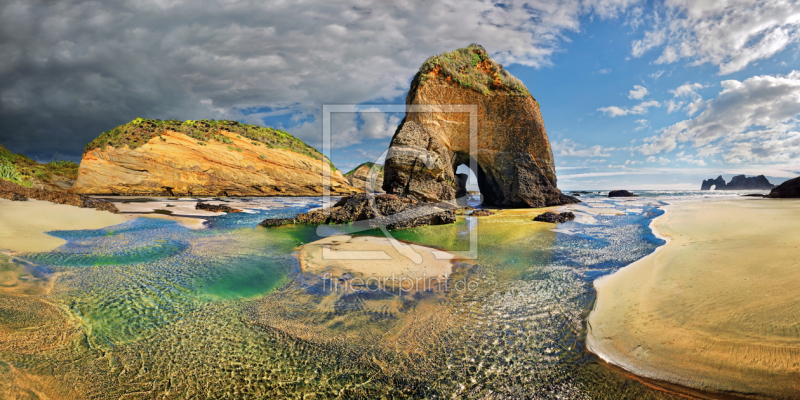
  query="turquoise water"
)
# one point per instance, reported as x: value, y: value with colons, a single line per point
x: 224, y: 312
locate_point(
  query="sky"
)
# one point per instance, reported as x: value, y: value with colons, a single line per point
x: 634, y: 94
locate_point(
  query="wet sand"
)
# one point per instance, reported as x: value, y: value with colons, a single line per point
x: 717, y: 308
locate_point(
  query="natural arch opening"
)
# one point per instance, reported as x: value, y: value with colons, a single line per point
x: 477, y: 180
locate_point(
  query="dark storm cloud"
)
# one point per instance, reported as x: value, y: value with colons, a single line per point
x: 72, y: 69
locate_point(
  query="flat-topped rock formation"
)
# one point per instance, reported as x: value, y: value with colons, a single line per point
x: 515, y: 161
x: 361, y: 177
x: 738, y: 182
x: 203, y: 158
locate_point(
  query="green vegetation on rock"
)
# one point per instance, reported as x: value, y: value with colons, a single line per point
x: 22, y: 170
x: 471, y: 68
x: 370, y: 165
x: 139, y: 131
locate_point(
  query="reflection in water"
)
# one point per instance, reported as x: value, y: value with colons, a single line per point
x: 150, y: 309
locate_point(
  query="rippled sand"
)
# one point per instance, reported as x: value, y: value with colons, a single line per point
x: 377, y: 261
x: 716, y: 308
x: 24, y: 223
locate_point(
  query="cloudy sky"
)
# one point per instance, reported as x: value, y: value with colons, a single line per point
x: 634, y: 94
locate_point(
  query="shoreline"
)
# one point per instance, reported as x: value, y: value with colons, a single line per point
x: 693, y: 314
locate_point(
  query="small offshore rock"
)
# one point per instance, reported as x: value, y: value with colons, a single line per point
x: 215, y: 207
x: 276, y: 222
x: 555, y: 218
x: 621, y: 193
x: 482, y: 213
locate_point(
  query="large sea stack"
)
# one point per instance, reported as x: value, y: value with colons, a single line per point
x: 203, y: 158
x: 738, y: 182
x: 515, y: 165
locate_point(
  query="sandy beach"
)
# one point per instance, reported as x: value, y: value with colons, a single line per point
x: 25, y: 223
x: 716, y: 308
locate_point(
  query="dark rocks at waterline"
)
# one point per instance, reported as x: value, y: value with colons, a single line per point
x: 738, y: 182
x: 553, y: 218
x: 215, y: 207
x: 12, y: 191
x: 391, y: 211
x: 754, y: 195
x: 277, y: 222
x: 621, y: 193
x: 481, y: 213
x: 786, y: 190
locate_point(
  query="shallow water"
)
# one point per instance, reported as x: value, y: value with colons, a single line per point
x: 150, y: 309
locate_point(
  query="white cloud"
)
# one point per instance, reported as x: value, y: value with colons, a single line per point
x: 755, y: 120
x: 638, y: 92
x: 689, y: 159
x: 730, y: 34
x: 74, y: 68
x: 642, y: 123
x: 638, y: 109
x: 568, y: 147
x: 687, y: 90
x: 674, y: 105
x: 657, y: 74
x: 604, y: 71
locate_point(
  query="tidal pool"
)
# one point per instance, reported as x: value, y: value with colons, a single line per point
x: 151, y: 309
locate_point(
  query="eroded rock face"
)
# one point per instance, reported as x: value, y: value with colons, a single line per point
x: 515, y: 161
x: 175, y: 164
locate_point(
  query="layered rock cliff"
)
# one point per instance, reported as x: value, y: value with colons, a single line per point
x: 361, y: 177
x: 738, y: 182
x: 203, y: 158
x: 515, y: 165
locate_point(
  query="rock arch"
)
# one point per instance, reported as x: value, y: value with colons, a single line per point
x: 514, y: 158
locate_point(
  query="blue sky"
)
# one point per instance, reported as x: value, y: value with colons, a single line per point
x: 596, y: 148
x: 635, y: 94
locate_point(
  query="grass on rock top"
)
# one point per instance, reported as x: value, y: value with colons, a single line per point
x: 471, y: 67
x: 22, y: 170
x: 139, y: 131
x: 370, y: 165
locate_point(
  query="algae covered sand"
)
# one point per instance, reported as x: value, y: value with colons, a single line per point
x: 717, y: 307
